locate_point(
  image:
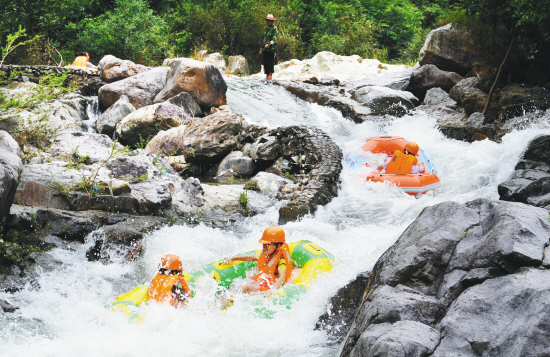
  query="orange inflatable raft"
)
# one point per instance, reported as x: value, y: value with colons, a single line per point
x: 380, y: 147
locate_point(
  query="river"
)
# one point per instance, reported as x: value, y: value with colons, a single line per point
x: 66, y: 316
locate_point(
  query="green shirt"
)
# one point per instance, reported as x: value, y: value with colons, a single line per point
x: 271, y: 35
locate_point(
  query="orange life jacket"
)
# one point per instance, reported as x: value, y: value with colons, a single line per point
x: 161, y: 287
x: 271, y: 267
x: 80, y: 61
x: 401, y: 164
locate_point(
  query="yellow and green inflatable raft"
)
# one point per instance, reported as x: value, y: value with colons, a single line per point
x: 306, y: 256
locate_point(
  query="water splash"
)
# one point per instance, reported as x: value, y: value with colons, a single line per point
x: 66, y: 316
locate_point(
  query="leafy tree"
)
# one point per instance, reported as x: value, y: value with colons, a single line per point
x: 131, y: 31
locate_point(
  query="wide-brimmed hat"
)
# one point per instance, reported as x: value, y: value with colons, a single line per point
x: 270, y: 17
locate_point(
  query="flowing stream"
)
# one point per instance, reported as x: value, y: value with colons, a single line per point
x: 66, y: 316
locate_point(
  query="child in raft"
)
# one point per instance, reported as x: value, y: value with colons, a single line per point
x: 274, y: 263
x: 169, y: 286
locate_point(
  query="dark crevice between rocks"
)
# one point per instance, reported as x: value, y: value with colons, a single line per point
x: 342, y: 308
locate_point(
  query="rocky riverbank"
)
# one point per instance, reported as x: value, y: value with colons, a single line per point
x: 66, y: 177
x: 436, y: 86
x: 463, y: 279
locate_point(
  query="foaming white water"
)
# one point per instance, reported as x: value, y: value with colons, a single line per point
x: 66, y: 316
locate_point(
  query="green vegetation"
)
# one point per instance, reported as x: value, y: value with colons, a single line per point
x: 148, y: 31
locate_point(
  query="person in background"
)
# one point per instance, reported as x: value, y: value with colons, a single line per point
x: 169, y: 285
x: 271, y: 36
x: 274, y: 263
x: 83, y: 60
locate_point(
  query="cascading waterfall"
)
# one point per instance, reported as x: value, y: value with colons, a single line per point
x: 66, y: 316
x: 93, y: 112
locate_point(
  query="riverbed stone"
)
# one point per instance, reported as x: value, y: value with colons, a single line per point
x: 530, y: 182
x: 395, y: 80
x: 382, y: 100
x: 11, y: 167
x: 269, y: 184
x: 147, y: 121
x: 107, y: 122
x: 187, y: 103
x: 428, y: 77
x: 205, y: 140
x: 445, y: 48
x: 200, y: 79
x: 114, y: 69
x: 438, y: 97
x: 140, y: 89
x: 235, y: 164
x: 238, y: 65
x: 217, y: 60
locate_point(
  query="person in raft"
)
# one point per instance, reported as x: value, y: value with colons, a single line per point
x: 274, y: 263
x: 271, y: 36
x: 169, y: 286
x: 83, y: 60
x: 403, y: 163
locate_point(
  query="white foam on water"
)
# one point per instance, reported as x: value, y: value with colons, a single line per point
x: 66, y: 316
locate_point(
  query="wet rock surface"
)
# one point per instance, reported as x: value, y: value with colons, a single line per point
x: 200, y: 79
x: 107, y: 122
x: 114, y: 69
x: 454, y: 281
x: 445, y: 48
x: 530, y: 183
x: 147, y: 121
x: 429, y: 76
x: 140, y: 89
x: 342, y: 307
x: 205, y: 140
x: 396, y: 80
x: 323, y: 163
x: 10, y: 171
x: 238, y: 65
x: 382, y: 100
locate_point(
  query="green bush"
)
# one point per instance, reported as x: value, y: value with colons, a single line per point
x: 130, y: 31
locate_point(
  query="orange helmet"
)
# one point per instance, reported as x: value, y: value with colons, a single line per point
x: 412, y: 147
x: 273, y: 234
x: 170, y: 261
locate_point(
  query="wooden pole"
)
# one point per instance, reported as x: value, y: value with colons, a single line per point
x: 498, y: 74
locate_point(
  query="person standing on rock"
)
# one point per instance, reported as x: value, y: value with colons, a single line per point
x: 271, y: 35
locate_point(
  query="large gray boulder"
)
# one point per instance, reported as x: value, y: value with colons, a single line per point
x: 147, y: 121
x: 187, y: 103
x: 10, y: 171
x: 238, y: 65
x: 383, y: 100
x: 205, y: 140
x: 269, y: 184
x: 107, y: 122
x: 468, y: 94
x: 514, y: 100
x: 437, y: 96
x: 392, y: 80
x: 468, y: 276
x: 530, y: 182
x: 236, y: 165
x: 428, y: 77
x: 217, y: 60
x: 200, y: 79
x: 114, y: 69
x: 140, y: 89
x: 445, y: 48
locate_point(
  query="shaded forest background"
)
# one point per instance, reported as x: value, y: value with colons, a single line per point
x: 147, y: 31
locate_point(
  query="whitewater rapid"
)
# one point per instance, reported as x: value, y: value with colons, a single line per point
x: 66, y: 316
